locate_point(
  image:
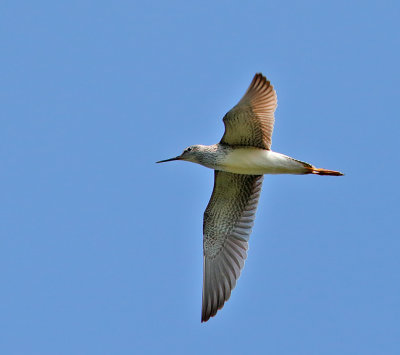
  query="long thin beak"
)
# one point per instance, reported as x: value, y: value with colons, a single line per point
x: 163, y: 161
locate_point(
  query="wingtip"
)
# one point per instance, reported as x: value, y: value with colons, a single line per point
x: 204, y: 316
x: 260, y: 82
x: 259, y: 76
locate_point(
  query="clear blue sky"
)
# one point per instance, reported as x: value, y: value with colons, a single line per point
x: 101, y: 248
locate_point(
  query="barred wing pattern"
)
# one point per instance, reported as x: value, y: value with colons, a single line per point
x: 251, y: 121
x: 228, y: 220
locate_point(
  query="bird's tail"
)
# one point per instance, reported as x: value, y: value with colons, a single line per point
x: 318, y: 171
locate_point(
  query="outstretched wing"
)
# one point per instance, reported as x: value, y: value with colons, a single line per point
x: 251, y: 121
x: 228, y: 220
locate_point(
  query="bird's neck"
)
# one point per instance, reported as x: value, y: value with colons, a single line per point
x: 212, y: 156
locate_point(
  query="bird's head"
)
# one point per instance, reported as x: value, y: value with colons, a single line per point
x: 191, y: 153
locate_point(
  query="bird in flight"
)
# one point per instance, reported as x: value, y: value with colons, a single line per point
x: 239, y: 162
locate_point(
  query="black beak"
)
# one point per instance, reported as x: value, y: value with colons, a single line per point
x: 163, y: 161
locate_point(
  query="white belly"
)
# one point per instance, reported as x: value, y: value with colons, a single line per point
x: 255, y: 161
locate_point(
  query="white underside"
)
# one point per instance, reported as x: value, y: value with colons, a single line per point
x: 255, y: 161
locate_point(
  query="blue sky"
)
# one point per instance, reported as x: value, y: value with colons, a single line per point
x: 101, y: 248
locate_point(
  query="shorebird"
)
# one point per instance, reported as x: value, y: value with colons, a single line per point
x: 239, y: 161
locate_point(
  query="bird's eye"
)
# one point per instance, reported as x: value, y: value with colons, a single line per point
x: 189, y: 149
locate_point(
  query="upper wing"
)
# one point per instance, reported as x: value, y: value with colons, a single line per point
x: 228, y: 220
x: 251, y: 121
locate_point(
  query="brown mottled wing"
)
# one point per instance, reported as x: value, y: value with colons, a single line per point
x: 228, y: 220
x: 251, y: 121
